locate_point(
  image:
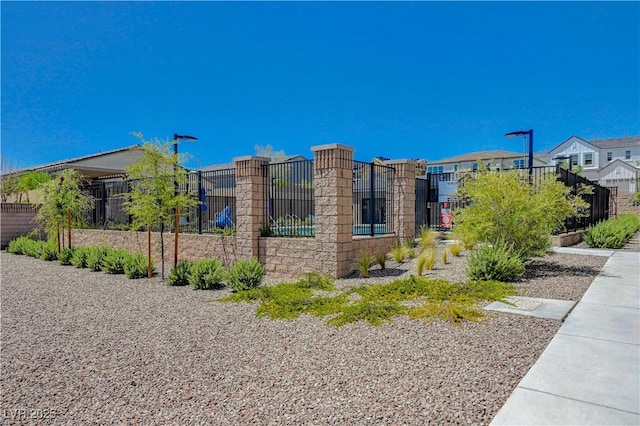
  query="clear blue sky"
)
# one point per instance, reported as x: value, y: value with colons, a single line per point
x: 400, y: 80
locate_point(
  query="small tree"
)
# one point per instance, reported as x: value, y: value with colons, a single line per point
x: 153, y: 197
x: 63, y: 200
x: 505, y: 208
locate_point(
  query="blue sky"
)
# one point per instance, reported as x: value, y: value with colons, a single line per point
x: 400, y: 80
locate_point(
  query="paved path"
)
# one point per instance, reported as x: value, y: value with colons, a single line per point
x: 590, y: 372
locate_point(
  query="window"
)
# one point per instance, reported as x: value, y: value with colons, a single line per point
x: 518, y: 164
x: 474, y: 167
x: 435, y: 169
x: 455, y: 167
x: 627, y: 155
x: 574, y: 160
x: 588, y: 159
x: 609, y: 156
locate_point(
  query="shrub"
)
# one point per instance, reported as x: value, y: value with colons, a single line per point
x: 398, y: 253
x: 206, y: 274
x: 65, y: 256
x: 614, y: 233
x: 245, y: 274
x: 409, y: 250
x: 381, y: 259
x: 179, y: 275
x: 456, y: 249
x: 362, y: 264
x: 49, y: 251
x: 426, y: 260
x: 445, y: 256
x: 135, y: 266
x: 427, y: 237
x: 33, y: 248
x: 497, y: 262
x: 95, y: 258
x: 79, y: 258
x: 114, y: 261
x: 18, y: 246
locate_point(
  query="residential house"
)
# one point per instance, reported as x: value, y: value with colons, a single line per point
x: 497, y: 159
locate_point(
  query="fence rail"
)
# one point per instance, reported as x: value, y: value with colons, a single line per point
x: 372, y: 199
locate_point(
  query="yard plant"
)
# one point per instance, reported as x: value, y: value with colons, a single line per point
x: 614, y: 233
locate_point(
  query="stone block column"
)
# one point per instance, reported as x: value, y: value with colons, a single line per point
x: 404, y: 198
x: 333, y: 184
x: 250, y: 204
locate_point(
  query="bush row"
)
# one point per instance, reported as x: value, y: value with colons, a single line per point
x: 210, y: 274
x: 109, y: 260
x: 203, y: 274
x: 614, y: 233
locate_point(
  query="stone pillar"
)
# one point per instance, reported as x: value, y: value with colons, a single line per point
x: 333, y: 184
x: 404, y: 198
x: 250, y: 204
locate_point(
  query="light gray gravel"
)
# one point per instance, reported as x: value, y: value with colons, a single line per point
x: 99, y: 349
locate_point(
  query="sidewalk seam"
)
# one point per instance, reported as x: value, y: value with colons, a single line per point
x: 578, y: 400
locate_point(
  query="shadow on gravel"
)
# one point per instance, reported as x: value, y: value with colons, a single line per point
x: 387, y: 272
x: 541, y: 269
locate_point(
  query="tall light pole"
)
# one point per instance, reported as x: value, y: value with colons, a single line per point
x: 524, y: 133
x: 176, y: 138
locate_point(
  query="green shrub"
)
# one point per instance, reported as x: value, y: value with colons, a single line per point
x: 18, y: 246
x: 49, y: 251
x: 33, y: 248
x: 95, y: 258
x: 245, y: 274
x: 362, y: 264
x: 206, y: 274
x: 614, y: 233
x: 445, y: 256
x: 381, y: 259
x: 79, y: 258
x: 409, y: 250
x: 135, y: 266
x: 427, y: 237
x: 456, y: 249
x: 497, y: 262
x: 426, y: 260
x: 114, y: 261
x: 398, y: 253
x: 180, y: 274
x: 65, y: 256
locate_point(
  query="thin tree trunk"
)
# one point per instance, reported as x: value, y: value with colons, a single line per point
x: 69, y: 227
x: 148, y: 251
x: 58, y: 230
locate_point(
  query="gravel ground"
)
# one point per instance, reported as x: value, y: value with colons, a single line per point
x: 81, y: 347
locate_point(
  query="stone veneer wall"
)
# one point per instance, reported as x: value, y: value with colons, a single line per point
x: 288, y: 257
x: 16, y: 219
x: 622, y: 201
x: 373, y: 246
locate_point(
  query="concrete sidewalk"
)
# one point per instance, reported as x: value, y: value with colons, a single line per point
x: 590, y: 372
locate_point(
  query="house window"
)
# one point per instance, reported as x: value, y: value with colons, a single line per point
x: 588, y: 159
x: 609, y: 156
x: 455, y: 167
x: 627, y: 155
x: 474, y: 167
x: 574, y: 160
x: 518, y: 164
x: 435, y: 169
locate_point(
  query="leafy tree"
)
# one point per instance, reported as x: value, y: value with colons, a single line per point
x: 63, y: 200
x: 503, y: 207
x: 31, y: 180
x: 267, y: 151
x: 153, y: 197
x: 9, y: 179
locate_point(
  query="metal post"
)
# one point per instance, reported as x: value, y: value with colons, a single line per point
x: 199, y: 178
x: 530, y: 132
x: 372, y: 204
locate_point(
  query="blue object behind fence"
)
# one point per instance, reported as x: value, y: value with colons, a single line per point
x: 223, y: 218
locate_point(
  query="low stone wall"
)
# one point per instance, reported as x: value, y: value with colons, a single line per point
x: 190, y: 247
x: 569, y: 239
x: 17, y: 219
x: 623, y: 200
x: 372, y: 245
x: 288, y: 257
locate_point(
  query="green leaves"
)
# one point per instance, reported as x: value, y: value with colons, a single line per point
x: 613, y: 233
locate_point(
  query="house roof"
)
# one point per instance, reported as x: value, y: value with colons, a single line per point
x: 617, y: 142
x: 481, y: 155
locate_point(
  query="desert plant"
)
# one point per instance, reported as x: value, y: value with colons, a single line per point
x: 614, y: 233
x: 398, y: 253
x: 114, y: 261
x: 245, y: 274
x: 49, y: 251
x: 409, y: 249
x: 426, y: 261
x: 363, y: 263
x: 95, y: 258
x: 427, y: 237
x: 65, y: 256
x: 445, y: 256
x: 495, y: 262
x: 206, y: 274
x: 79, y: 258
x: 19, y: 245
x: 456, y: 249
x: 181, y: 273
x: 381, y: 259
x: 135, y: 266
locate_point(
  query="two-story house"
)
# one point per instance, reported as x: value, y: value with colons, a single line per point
x: 495, y: 160
x: 609, y: 162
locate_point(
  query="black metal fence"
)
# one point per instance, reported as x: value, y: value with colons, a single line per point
x: 290, y: 199
x: 372, y: 199
x: 436, y: 198
x: 214, y: 189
